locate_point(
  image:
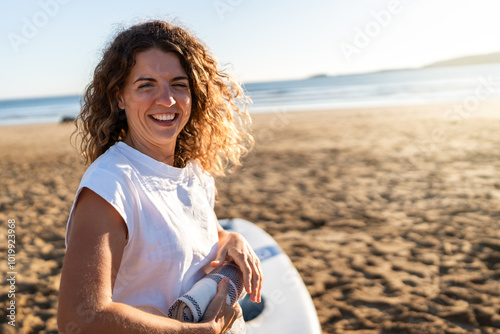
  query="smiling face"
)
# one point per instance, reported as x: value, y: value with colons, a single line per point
x: 157, y: 102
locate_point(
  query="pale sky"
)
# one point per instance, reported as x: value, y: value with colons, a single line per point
x: 50, y: 47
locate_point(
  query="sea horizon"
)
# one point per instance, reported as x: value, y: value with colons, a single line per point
x: 430, y: 85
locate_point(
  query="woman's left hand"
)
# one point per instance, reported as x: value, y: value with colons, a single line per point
x: 234, y: 247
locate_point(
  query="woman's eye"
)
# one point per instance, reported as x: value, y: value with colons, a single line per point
x: 145, y: 85
x: 180, y: 85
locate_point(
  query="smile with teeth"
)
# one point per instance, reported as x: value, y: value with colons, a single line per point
x: 163, y: 117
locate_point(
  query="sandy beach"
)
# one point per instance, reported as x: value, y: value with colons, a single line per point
x: 391, y: 215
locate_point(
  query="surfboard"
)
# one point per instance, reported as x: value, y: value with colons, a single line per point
x: 286, y: 305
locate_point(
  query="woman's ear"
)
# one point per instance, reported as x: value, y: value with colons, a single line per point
x: 121, y: 102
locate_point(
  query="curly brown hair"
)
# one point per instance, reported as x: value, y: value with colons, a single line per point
x: 216, y: 135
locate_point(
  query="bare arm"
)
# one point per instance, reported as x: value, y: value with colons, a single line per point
x: 95, y: 248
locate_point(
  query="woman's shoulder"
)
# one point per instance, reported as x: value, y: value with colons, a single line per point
x: 205, y: 179
x: 112, y: 163
x: 197, y: 170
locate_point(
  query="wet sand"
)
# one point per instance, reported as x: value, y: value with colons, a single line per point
x: 391, y: 215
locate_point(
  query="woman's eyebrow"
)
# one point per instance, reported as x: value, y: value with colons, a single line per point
x: 180, y: 78
x: 144, y: 79
x: 154, y: 80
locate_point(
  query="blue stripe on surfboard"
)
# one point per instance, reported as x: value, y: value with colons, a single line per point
x: 267, y: 252
x: 263, y: 253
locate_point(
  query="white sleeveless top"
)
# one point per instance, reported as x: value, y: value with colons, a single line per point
x: 172, y: 232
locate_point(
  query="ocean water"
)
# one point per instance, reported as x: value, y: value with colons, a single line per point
x: 38, y: 110
x: 401, y: 87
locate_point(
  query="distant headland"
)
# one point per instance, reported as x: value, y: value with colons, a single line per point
x: 491, y: 58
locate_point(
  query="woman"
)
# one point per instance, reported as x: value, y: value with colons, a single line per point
x: 156, y: 125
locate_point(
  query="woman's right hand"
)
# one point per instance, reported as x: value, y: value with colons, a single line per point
x: 221, y: 315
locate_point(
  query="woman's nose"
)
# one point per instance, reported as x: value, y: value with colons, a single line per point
x: 165, y: 98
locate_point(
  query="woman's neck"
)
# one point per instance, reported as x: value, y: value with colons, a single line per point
x: 163, y: 154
